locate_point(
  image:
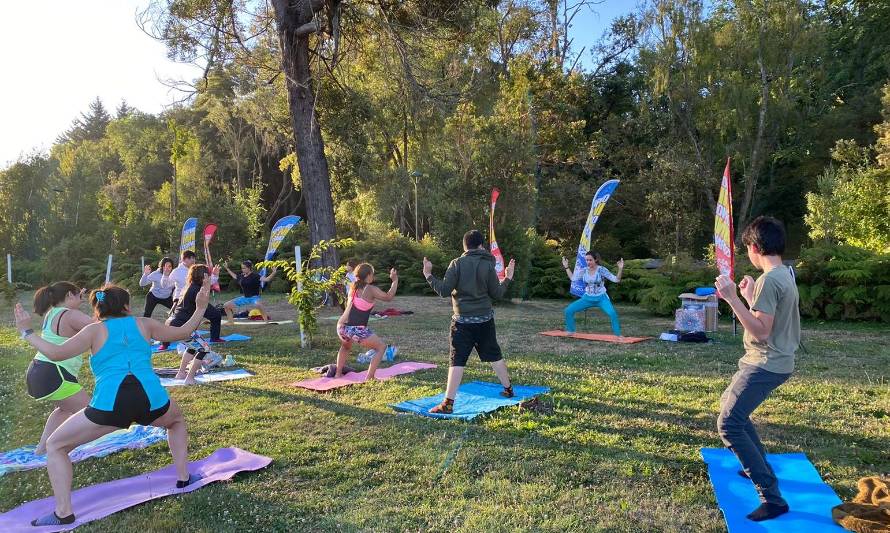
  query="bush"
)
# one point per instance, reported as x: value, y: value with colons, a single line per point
x: 843, y: 282
x: 405, y: 254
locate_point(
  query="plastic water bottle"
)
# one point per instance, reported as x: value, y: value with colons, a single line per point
x: 391, y: 352
x: 230, y: 360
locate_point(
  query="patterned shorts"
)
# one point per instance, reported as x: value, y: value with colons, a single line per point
x: 354, y: 333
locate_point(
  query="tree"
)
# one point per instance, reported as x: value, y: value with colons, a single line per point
x: 308, y: 47
x: 90, y: 126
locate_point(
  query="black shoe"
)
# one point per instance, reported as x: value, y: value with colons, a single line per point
x: 767, y: 511
x: 507, y: 392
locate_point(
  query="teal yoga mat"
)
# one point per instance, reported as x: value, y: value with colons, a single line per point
x: 809, y: 498
x: 473, y: 399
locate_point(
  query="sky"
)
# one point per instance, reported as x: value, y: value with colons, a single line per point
x: 58, y: 56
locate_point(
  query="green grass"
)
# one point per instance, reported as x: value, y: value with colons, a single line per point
x: 615, y: 447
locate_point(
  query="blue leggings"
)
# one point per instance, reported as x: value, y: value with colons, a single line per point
x: 586, y: 302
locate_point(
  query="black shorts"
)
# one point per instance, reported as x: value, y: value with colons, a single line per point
x: 465, y: 337
x: 49, y: 381
x: 130, y: 406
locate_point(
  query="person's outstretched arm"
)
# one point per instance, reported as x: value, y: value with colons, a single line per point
x: 757, y: 323
x: 81, y: 342
x: 496, y: 287
x: 268, y: 278
x: 164, y: 333
x: 445, y: 286
x: 565, y: 266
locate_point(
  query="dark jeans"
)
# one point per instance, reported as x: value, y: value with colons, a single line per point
x: 750, y: 387
x: 151, y: 301
x: 212, y: 314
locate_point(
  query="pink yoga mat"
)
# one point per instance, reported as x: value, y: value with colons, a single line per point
x: 595, y: 337
x: 98, y: 501
x: 326, y: 384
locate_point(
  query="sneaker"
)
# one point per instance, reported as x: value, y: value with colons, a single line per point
x: 367, y: 356
x: 507, y: 392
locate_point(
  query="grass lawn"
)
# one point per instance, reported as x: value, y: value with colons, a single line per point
x: 614, y: 448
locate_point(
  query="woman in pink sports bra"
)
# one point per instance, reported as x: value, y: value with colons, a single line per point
x: 353, y: 324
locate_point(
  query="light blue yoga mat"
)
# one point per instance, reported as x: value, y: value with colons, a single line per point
x: 473, y: 399
x: 135, y: 437
x: 234, y: 337
x: 809, y: 498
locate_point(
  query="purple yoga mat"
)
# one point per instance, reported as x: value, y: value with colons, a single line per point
x: 326, y: 384
x: 99, y: 501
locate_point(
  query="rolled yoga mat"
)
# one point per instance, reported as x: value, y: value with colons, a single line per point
x: 473, y: 399
x: 326, y: 384
x: 809, y: 498
x: 595, y: 337
x: 98, y: 501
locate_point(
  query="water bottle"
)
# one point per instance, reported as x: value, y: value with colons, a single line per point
x: 230, y: 360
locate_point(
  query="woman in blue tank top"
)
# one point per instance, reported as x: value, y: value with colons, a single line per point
x: 126, y: 391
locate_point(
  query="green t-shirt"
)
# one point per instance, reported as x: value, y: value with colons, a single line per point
x: 775, y: 293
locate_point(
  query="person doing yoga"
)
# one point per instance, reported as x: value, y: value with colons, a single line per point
x: 251, y: 285
x: 185, y: 308
x: 56, y: 381
x: 127, y: 389
x: 352, y: 327
x: 162, y: 286
x: 595, y: 295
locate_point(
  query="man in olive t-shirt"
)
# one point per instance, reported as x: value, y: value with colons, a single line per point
x: 772, y: 334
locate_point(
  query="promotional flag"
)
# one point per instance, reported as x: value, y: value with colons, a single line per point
x: 187, y: 241
x: 495, y: 251
x: 279, y: 232
x: 596, y: 208
x: 723, y: 229
x: 209, y: 231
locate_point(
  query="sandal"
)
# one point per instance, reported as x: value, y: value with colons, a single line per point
x: 444, y: 408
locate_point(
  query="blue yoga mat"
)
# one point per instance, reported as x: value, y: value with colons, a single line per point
x: 234, y: 337
x: 809, y: 498
x: 473, y: 399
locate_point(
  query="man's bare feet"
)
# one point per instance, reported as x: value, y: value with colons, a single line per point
x: 180, y: 375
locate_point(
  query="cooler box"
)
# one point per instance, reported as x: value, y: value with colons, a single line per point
x: 706, y: 305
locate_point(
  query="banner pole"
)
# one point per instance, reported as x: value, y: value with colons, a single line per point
x: 108, y: 270
x: 9, y: 268
x: 298, y: 259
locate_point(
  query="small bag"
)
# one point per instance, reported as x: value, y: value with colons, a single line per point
x: 689, y: 320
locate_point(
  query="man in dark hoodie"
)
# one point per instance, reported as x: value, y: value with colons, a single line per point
x: 472, y: 283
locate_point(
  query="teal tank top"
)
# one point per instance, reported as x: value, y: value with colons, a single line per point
x: 125, y: 352
x: 72, y: 364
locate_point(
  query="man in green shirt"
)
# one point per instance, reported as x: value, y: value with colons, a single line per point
x: 772, y: 334
x: 472, y: 283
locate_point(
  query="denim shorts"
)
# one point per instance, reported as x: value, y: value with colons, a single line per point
x: 242, y: 301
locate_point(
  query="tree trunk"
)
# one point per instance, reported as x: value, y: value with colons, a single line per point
x: 756, y: 152
x: 311, y: 160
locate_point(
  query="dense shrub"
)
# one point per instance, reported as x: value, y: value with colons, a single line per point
x: 405, y: 254
x: 843, y: 282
